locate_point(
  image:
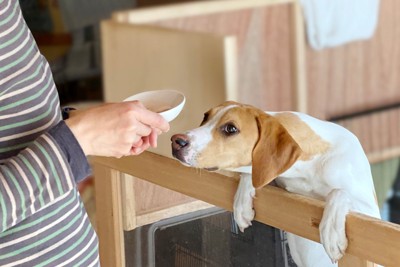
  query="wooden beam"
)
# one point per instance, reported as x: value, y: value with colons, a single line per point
x: 351, y: 261
x: 128, y: 202
x: 383, y: 155
x: 109, y: 216
x: 231, y: 68
x: 176, y: 210
x: 182, y: 10
x: 370, y: 239
x: 299, y: 66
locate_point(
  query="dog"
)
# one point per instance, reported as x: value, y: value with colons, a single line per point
x: 304, y: 155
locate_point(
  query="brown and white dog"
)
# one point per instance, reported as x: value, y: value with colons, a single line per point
x: 303, y: 154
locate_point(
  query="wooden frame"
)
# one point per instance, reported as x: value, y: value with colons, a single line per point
x: 370, y: 239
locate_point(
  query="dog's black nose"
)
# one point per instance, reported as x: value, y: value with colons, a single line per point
x: 179, y: 141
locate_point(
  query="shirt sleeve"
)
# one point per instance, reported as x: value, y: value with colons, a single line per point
x: 39, y: 174
x: 72, y: 151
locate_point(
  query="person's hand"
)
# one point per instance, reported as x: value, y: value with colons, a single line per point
x: 117, y: 129
x: 145, y: 142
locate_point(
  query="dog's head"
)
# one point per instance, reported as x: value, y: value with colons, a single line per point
x: 233, y: 135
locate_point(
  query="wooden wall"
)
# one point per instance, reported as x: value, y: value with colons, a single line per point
x: 359, y: 75
x: 263, y: 41
x: 379, y: 133
x: 341, y: 80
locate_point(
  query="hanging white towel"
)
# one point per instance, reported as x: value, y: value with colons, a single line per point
x: 334, y: 22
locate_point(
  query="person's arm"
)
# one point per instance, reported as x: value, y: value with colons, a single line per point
x: 33, y: 179
x: 47, y: 169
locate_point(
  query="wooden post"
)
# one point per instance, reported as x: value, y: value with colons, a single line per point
x: 128, y: 202
x: 195, y: 8
x: 109, y: 216
x: 299, y: 74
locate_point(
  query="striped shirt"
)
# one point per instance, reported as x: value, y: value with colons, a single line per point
x: 42, y: 219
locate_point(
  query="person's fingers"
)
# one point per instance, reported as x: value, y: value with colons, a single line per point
x: 138, y: 143
x: 142, y: 129
x: 138, y: 150
x: 135, y: 151
x: 137, y: 138
x: 153, y: 138
x: 150, y: 118
x: 137, y: 102
x: 146, y: 142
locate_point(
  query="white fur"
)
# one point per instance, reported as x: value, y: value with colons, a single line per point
x: 243, y: 202
x: 341, y: 177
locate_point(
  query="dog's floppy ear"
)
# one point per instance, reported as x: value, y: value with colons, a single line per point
x: 275, y: 151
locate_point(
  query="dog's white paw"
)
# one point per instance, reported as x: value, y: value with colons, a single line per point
x: 243, y: 203
x: 243, y: 209
x: 332, y: 227
x: 243, y: 216
x: 333, y: 237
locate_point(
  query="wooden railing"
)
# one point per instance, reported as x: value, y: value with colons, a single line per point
x: 370, y: 240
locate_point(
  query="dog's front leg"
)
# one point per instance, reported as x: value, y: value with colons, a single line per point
x: 243, y: 203
x: 332, y: 227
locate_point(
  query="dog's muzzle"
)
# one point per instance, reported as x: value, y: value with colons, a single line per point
x: 180, y: 144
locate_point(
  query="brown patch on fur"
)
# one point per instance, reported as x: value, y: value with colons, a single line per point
x: 262, y: 141
x: 275, y: 152
x: 230, y: 151
x: 310, y: 143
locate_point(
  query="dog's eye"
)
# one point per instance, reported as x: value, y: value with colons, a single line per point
x: 230, y: 129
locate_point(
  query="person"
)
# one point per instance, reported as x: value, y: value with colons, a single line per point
x: 42, y: 158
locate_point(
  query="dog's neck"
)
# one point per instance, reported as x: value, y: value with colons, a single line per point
x: 243, y: 169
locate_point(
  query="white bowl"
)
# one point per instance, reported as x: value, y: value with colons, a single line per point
x: 167, y: 103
